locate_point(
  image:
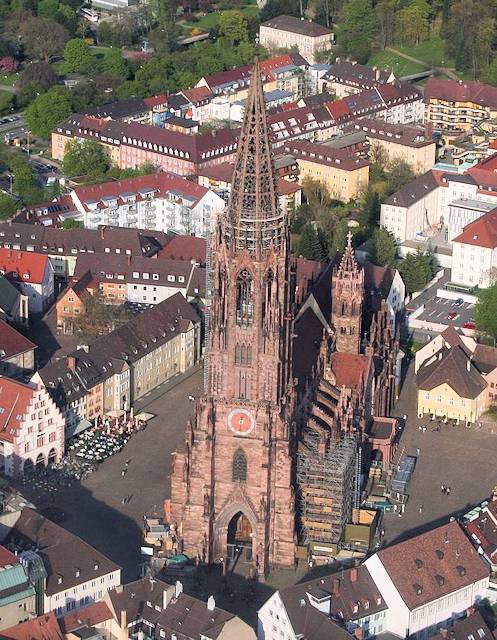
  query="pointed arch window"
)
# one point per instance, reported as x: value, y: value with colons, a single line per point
x: 244, y: 298
x: 243, y: 354
x: 239, y: 468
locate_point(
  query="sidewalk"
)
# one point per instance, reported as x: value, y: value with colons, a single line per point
x: 165, y: 387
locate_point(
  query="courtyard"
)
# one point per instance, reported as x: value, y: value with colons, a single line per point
x: 456, y: 456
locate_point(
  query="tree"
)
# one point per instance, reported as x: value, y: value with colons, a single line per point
x: 48, y: 9
x: 70, y: 223
x: 274, y: 8
x: 385, y: 14
x: 66, y: 16
x: 48, y: 110
x: 309, y: 245
x: 486, y: 311
x: 78, y: 57
x: 24, y: 178
x: 355, y: 32
x: 369, y: 213
x: 469, y: 34
x: 86, y: 158
x: 40, y: 73
x: 233, y: 26
x: 114, y: 64
x: 417, y: 269
x: 43, y: 38
x: 339, y: 241
x: 489, y: 75
x: 398, y: 174
x: 382, y: 250
x: 414, y: 24
x: 7, y: 207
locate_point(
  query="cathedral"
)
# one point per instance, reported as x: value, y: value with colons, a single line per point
x: 235, y: 493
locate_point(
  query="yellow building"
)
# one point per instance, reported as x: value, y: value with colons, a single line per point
x: 458, y: 106
x: 451, y: 386
x: 413, y: 145
x: 345, y: 173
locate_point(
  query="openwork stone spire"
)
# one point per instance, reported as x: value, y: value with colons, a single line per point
x: 253, y: 219
x: 348, y: 263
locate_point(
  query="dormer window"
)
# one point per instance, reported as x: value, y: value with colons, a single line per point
x: 59, y: 579
x: 78, y: 573
x: 96, y: 566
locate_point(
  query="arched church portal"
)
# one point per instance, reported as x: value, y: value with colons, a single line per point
x: 239, y: 541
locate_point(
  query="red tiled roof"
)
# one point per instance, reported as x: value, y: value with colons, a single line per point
x: 482, y: 232
x: 285, y: 187
x: 161, y: 182
x: 28, y: 266
x: 90, y: 616
x: 14, y: 402
x: 433, y: 564
x: 185, y: 248
x: 12, y: 342
x: 7, y: 557
x: 155, y: 101
x: 44, y: 627
x: 349, y: 368
x: 338, y: 109
x: 452, y: 91
x: 197, y: 94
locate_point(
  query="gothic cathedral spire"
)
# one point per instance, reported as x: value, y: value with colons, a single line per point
x: 231, y: 491
x: 253, y: 219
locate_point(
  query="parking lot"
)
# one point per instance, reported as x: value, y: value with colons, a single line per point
x: 447, y: 312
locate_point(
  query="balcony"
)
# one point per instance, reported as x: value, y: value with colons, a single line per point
x: 131, y: 219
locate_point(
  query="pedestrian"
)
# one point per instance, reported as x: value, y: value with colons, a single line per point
x: 418, y: 450
x: 424, y: 429
x: 123, y: 472
x: 442, y: 488
x: 448, y: 491
x: 128, y: 462
x: 420, y: 508
x: 123, y: 501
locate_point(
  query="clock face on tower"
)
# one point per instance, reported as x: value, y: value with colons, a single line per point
x: 241, y: 421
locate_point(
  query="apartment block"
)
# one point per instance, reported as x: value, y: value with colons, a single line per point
x: 310, y: 38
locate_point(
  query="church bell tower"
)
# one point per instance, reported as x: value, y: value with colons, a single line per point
x: 347, y: 290
x: 231, y: 490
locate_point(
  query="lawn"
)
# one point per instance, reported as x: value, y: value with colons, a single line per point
x: 393, y: 62
x: 9, y: 78
x: 431, y: 52
x: 210, y: 20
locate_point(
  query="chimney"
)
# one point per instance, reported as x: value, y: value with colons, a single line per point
x: 71, y: 362
x: 124, y: 620
x: 211, y: 603
x: 129, y: 260
x: 468, y: 365
x: 102, y: 229
x: 178, y: 588
x: 336, y: 587
x: 377, y: 74
x: 353, y: 574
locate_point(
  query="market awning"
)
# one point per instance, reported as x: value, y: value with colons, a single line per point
x: 118, y: 413
x: 74, y: 430
x: 144, y: 417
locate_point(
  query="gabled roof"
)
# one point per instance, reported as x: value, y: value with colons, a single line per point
x: 350, y: 72
x: 432, y: 565
x: 455, y: 369
x: 185, y: 248
x: 418, y: 188
x: 12, y: 343
x: 482, y: 232
x: 68, y: 560
x: 473, y: 627
x: 89, y: 616
x: 297, y: 25
x: 44, y: 627
x: 15, y: 398
x: 23, y: 266
x: 350, y: 369
x: 459, y: 91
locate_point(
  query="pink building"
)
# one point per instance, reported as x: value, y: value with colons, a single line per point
x: 31, y: 427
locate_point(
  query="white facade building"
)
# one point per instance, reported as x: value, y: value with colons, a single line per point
x: 32, y: 273
x: 160, y: 201
x: 474, y: 254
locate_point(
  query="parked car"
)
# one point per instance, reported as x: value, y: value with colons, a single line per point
x: 458, y: 302
x: 452, y: 315
x: 469, y: 325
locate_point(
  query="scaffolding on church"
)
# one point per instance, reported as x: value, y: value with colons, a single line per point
x: 327, y: 487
